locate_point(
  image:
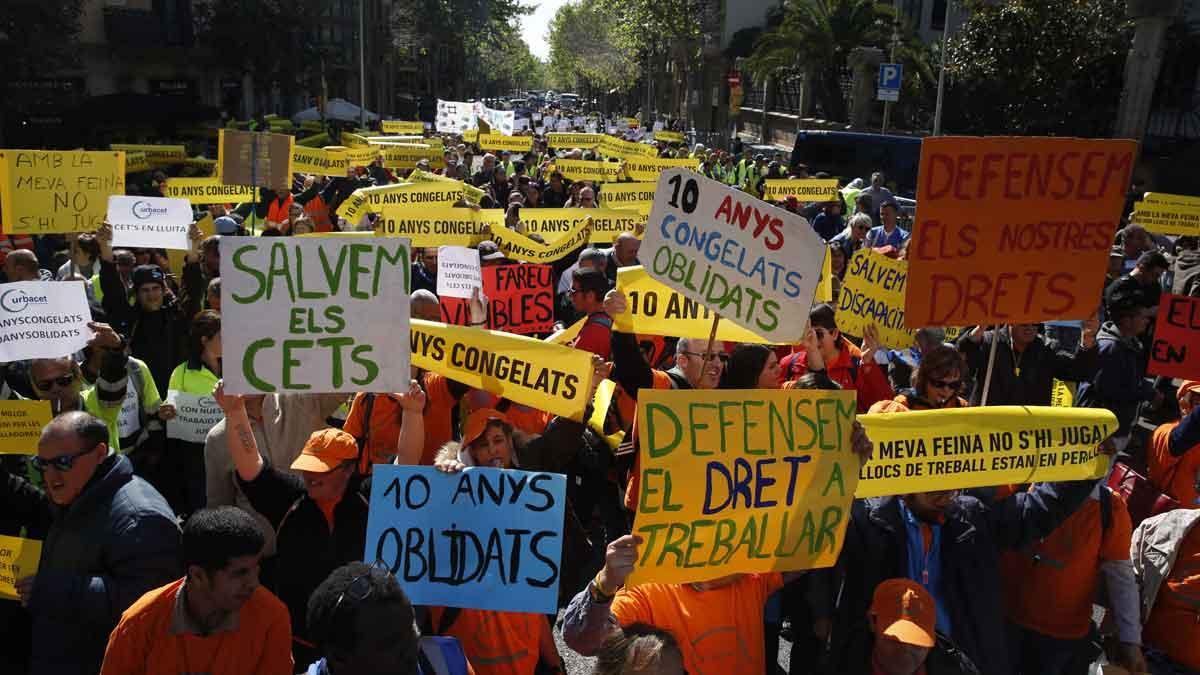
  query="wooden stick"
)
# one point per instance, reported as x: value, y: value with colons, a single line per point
x: 712, y: 337
x: 987, y: 379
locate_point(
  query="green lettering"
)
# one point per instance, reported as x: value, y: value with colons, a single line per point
x: 650, y: 535
x: 242, y: 267
x: 307, y: 295
x: 695, y: 425
x: 835, y: 476
x: 333, y: 277
x: 693, y: 544
x: 830, y: 519
x: 654, y: 449
x: 726, y: 529
x: 296, y: 320
x: 279, y: 268
x: 248, y: 364
x: 400, y: 260
x: 673, y: 543
x: 644, y: 504
x: 747, y: 425
x: 367, y: 364
x: 357, y: 268
x: 289, y: 363
x: 336, y: 343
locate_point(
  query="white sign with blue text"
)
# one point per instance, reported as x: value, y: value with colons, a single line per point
x: 43, y: 319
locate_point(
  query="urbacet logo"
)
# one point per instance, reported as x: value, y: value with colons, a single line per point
x: 17, y: 300
x: 145, y: 210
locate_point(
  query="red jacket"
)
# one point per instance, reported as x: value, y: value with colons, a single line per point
x: 867, y: 379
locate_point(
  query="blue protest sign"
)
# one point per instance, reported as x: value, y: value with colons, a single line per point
x: 480, y: 539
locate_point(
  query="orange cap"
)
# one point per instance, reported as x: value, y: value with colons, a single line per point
x: 886, y: 407
x: 326, y: 450
x: 904, y: 610
x: 477, y: 422
x: 1187, y: 387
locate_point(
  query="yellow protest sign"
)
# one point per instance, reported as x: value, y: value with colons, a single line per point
x: 611, y: 146
x: 1168, y: 214
x: 208, y: 191
x: 520, y: 247
x: 581, y: 141
x: 649, y: 169
x: 314, y: 141
x: 531, y: 372
x: 21, y: 425
x: 873, y: 293
x: 653, y: 308
x: 361, y: 156
x: 567, y: 335
x: 319, y: 161
x: 157, y: 155
x: 438, y: 225
x: 963, y: 448
x: 48, y: 191
x: 470, y: 136
x: 600, y: 403
x: 803, y: 189
x: 501, y: 142
x: 471, y: 193
x: 402, y: 127
x: 582, y: 169
x: 136, y: 161
x: 735, y: 481
x: 1062, y: 395
x: 373, y: 199
x: 607, y: 224
x: 19, y: 558
x: 628, y: 195
x: 406, y: 156
x: 632, y: 122
x: 353, y: 140
x: 825, y: 284
x: 668, y: 136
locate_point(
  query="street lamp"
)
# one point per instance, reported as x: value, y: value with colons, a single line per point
x: 362, y: 68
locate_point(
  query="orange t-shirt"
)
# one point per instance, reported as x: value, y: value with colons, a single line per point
x: 497, y: 643
x: 720, y: 631
x: 386, y: 419
x: 1172, y: 626
x: 143, y: 644
x: 1173, y: 475
x: 659, y: 380
x: 1053, y: 596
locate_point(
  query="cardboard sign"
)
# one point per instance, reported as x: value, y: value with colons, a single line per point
x: 583, y: 169
x: 964, y: 448
x: 653, y: 308
x: 255, y: 159
x: 209, y: 191
x: 803, y: 189
x: 742, y: 481
x: 873, y: 294
x: 458, y: 271
x: 997, y: 218
x: 48, y: 191
x: 479, y: 539
x: 402, y: 127
x: 315, y: 314
x: 531, y: 372
x: 1176, y: 348
x: 19, y: 558
x: 43, y: 319
x: 150, y: 222
x: 754, y: 264
x: 520, y: 298
x: 627, y: 195
x: 607, y: 224
x: 21, y: 424
x: 195, y: 415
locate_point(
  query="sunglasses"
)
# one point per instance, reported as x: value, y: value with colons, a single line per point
x: 63, y: 381
x: 359, y: 588
x: 63, y: 463
x: 722, y: 356
x: 944, y: 384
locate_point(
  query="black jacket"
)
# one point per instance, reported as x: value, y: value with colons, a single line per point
x: 632, y: 371
x: 1119, y: 383
x: 1040, y: 363
x: 944, y: 659
x: 972, y: 537
x: 305, y: 550
x: 116, y: 541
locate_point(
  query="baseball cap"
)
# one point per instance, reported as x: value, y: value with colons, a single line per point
x: 325, y: 451
x: 1187, y: 387
x: 478, y: 421
x: 905, y: 611
x: 148, y: 274
x: 225, y: 225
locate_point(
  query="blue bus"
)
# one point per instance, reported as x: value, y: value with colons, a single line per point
x: 850, y: 155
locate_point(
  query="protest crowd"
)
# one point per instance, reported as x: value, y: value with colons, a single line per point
x: 302, y: 508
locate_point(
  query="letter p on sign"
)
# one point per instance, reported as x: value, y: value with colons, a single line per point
x: 889, y: 75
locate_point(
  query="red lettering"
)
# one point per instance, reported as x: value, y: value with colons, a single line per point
x: 941, y: 168
x: 998, y: 296
x: 1066, y: 174
x: 978, y: 287
x: 1087, y: 173
x: 1063, y: 292
x: 936, y: 319
x: 1011, y: 174
x: 965, y: 172
x: 987, y: 172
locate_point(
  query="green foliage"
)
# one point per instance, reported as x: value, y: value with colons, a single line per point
x: 509, y: 65
x: 585, y: 50
x: 1037, y: 67
x: 38, y: 36
x: 653, y: 26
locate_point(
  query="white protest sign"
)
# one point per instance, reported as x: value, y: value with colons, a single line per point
x: 150, y: 222
x: 315, y: 315
x: 458, y: 271
x: 540, y: 131
x: 752, y: 263
x: 43, y: 319
x: 195, y: 414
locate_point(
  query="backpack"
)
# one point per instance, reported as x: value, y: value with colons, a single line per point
x: 1142, y: 497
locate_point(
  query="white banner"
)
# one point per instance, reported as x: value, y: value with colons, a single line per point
x: 195, y: 414
x: 43, y: 319
x: 150, y: 222
x: 454, y: 117
x: 458, y: 271
x: 319, y: 315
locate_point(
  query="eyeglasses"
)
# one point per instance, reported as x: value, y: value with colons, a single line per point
x: 722, y: 356
x: 359, y: 588
x: 63, y: 463
x: 944, y: 384
x: 63, y: 381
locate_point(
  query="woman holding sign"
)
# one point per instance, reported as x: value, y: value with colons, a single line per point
x: 191, y: 381
x: 937, y: 381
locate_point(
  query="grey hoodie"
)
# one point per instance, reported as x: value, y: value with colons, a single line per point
x: 1187, y: 274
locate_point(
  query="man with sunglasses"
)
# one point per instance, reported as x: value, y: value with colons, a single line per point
x: 110, y: 537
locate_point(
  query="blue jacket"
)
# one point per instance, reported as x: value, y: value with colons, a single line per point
x: 972, y: 537
x: 116, y: 541
x: 1119, y: 383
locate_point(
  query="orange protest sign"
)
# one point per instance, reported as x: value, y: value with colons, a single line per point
x: 1013, y: 230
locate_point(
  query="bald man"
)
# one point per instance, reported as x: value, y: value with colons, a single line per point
x: 22, y: 265
x: 623, y: 254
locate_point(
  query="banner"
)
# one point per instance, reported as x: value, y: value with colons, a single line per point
x: 803, y: 189
x: 458, y: 272
x: 503, y: 121
x: 627, y: 195
x: 668, y: 136
x: 361, y: 156
x: 998, y: 216
x: 482, y: 538
x: 926, y: 450
x: 617, y: 148
x: 583, y: 169
x: 43, y: 319
x: 531, y: 372
x: 572, y: 141
x: 649, y: 169
x: 315, y: 315
x: 372, y: 200
x: 1168, y: 214
x: 454, y: 117
x: 354, y: 140
x: 607, y: 224
x: 407, y: 156
x: 471, y: 193
x: 136, y: 162
x: 156, y: 155
x: 402, y: 127
x: 257, y: 159
x: 209, y: 191
x: 1176, y: 349
x: 195, y: 415
x: 1062, y: 395
x: 449, y: 226
x: 19, y: 558
x: 520, y: 298
x: 150, y: 222
x: 48, y: 191
x: 519, y: 144
x: 21, y: 424
x: 319, y: 161
x: 873, y: 293
x: 754, y: 264
x: 653, y: 308
x: 739, y: 481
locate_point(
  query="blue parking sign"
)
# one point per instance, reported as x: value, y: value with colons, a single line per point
x: 890, y: 75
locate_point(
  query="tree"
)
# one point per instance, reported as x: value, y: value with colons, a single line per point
x: 1037, y: 67
x: 584, y: 51
x: 38, y: 36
